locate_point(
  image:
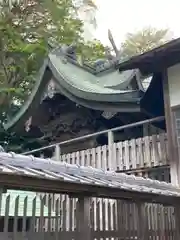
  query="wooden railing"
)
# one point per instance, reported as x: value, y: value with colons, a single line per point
x: 108, y: 132
x: 141, y: 153
x: 108, y: 219
x: 136, y: 156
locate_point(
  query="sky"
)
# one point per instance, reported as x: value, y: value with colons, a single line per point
x: 123, y: 16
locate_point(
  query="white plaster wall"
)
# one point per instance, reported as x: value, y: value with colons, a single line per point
x: 174, y: 84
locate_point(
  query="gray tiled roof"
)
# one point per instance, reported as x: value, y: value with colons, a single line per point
x: 49, y: 169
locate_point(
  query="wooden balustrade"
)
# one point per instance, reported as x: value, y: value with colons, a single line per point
x: 109, y: 219
x: 147, y: 152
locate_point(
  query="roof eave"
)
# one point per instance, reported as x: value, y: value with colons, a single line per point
x: 147, y: 62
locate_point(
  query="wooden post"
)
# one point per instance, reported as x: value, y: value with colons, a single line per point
x: 110, y: 147
x: 171, y: 136
x: 57, y: 153
x: 83, y: 218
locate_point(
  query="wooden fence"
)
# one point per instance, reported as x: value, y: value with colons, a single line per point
x: 136, y: 156
x: 110, y: 219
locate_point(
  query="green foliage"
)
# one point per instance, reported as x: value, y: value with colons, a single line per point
x: 25, y: 29
x: 143, y: 40
x: 91, y: 51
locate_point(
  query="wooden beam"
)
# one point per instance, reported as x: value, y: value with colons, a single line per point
x: 171, y: 136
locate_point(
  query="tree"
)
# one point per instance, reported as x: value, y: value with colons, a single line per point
x: 143, y: 40
x: 91, y: 51
x: 25, y: 30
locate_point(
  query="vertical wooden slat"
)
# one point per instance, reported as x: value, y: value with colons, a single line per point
x: 114, y: 164
x: 173, y: 222
x: 73, y: 156
x: 147, y: 158
x: 49, y: 212
x: 150, y: 219
x: 24, y: 215
x: 153, y: 153
x: 155, y: 143
x: 92, y: 215
x: 133, y: 153
x: 88, y: 158
x: 134, y: 220
x: 163, y: 160
x: 98, y: 158
x: 104, y: 157
x: 122, y: 161
x: 128, y: 217
x: 155, y: 221
x: 93, y: 162
x: 84, y: 221
x: 68, y: 158
x: 126, y: 155
x: 103, y: 216
x: 41, y: 224
x: 6, y: 217
x: 71, y: 215
x: 57, y: 205
x: 142, y: 221
x: 140, y: 152
x: 82, y: 158
x: 77, y: 158
x: 110, y: 150
x: 118, y: 156
x: 121, y: 218
x: 166, y: 227
x: 32, y: 227
x: 98, y: 216
x: 1, y: 195
x: 16, y: 218
x: 114, y: 216
x: 64, y: 215
x: 109, y: 217
x: 159, y: 220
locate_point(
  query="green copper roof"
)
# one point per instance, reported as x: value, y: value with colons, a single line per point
x: 85, y: 85
x: 105, y: 90
x: 22, y: 195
